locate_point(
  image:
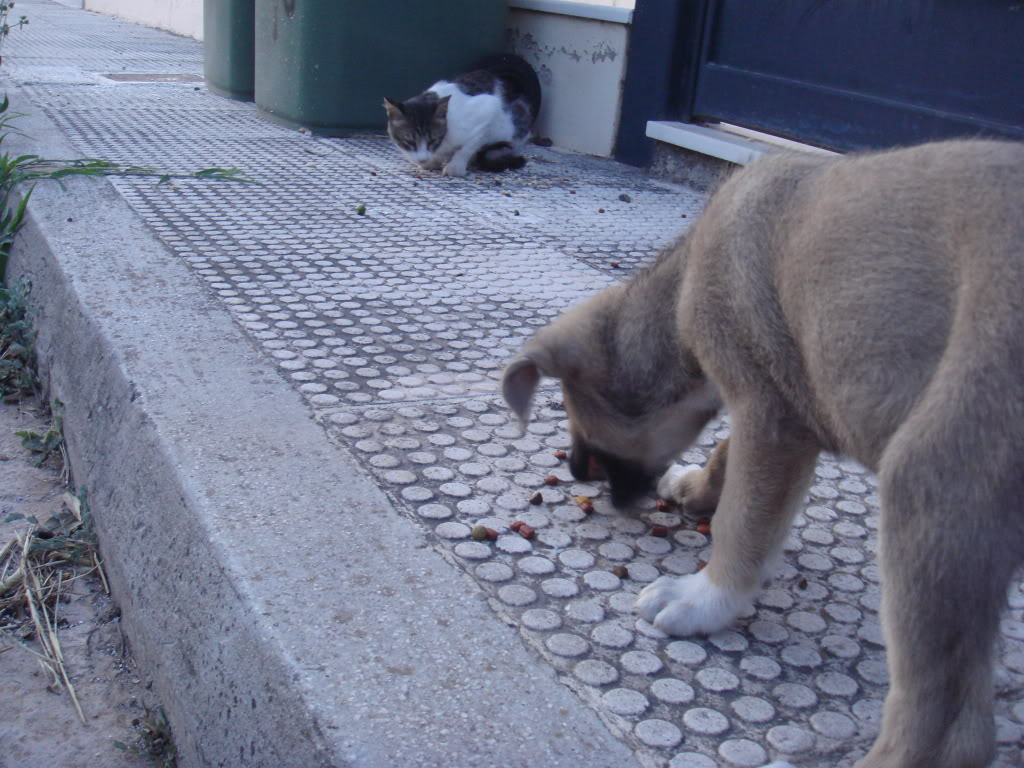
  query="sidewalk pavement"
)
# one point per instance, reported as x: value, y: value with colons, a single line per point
x: 286, y: 415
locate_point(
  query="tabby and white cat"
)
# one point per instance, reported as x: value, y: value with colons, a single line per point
x: 480, y: 119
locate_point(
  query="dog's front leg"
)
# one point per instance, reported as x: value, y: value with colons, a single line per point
x: 767, y: 474
x: 698, y: 490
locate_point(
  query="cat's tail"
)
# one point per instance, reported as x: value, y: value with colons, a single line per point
x: 500, y: 156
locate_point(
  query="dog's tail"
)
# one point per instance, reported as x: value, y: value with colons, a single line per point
x: 500, y: 156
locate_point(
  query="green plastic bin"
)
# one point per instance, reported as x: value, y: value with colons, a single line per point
x: 327, y: 65
x: 229, y: 44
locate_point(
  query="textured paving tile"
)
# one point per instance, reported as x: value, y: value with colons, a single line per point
x: 394, y: 326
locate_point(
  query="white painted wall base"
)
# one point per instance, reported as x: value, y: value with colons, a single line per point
x: 581, y: 63
x: 183, y: 17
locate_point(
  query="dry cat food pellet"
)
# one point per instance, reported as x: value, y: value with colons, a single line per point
x: 537, y: 498
x: 517, y: 525
x: 483, y: 533
x: 584, y: 503
x: 526, y: 531
x: 560, y: 454
x: 661, y: 505
x: 701, y: 565
x: 551, y: 480
x: 802, y: 584
x: 704, y: 526
x: 660, y: 531
x: 621, y: 571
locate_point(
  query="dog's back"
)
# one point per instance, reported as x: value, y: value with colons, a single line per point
x: 859, y: 283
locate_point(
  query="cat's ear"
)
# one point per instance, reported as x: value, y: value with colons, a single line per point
x: 441, y: 111
x: 393, y: 108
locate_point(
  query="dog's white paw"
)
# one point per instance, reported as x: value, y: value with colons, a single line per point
x: 690, y: 605
x: 674, y: 485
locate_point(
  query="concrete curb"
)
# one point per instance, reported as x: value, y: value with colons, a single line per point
x: 288, y: 616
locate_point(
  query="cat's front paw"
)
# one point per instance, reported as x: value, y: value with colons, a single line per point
x: 690, y: 605
x: 453, y: 168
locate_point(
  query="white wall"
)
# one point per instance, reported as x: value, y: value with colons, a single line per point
x: 581, y: 63
x: 184, y: 17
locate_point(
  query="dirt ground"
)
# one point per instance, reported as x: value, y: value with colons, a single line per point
x: 39, y: 727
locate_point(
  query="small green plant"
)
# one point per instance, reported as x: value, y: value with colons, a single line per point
x: 17, y: 360
x: 49, y: 442
x: 155, y: 742
x: 5, y: 26
x: 67, y: 537
x: 16, y: 171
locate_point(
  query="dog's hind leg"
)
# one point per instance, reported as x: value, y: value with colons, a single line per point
x: 950, y: 539
x: 768, y: 471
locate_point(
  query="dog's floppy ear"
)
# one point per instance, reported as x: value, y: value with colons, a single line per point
x: 562, y: 350
x: 519, y: 383
x: 550, y: 354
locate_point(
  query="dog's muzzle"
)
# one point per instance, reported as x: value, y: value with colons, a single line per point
x: 627, y: 480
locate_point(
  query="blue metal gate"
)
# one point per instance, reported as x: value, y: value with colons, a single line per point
x: 843, y: 74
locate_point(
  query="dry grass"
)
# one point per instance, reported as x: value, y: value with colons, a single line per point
x: 36, y: 568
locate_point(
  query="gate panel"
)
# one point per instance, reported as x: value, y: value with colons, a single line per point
x: 850, y: 74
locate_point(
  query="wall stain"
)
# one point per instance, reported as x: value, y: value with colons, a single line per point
x: 526, y: 45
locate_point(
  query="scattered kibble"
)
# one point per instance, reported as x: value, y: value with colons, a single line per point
x: 625, y: 198
x: 701, y: 565
x: 373, y: 173
x: 515, y: 212
x: 526, y: 531
x: 661, y: 505
x: 683, y: 216
x: 621, y: 571
x: 560, y: 455
x: 361, y: 210
x: 517, y: 525
x: 600, y: 210
x: 704, y: 526
x: 802, y: 584
x: 660, y: 531
x: 614, y: 264
x: 479, y: 532
x: 551, y: 480
x: 537, y: 498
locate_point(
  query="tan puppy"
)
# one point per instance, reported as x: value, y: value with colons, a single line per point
x: 871, y: 305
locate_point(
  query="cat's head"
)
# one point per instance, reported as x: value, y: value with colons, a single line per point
x: 418, y: 126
